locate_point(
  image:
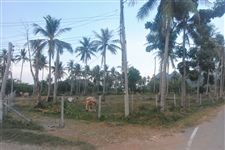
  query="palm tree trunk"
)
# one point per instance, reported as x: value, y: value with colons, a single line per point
x: 49, y: 76
x: 207, y: 87
x: 72, y: 86
x: 21, y: 71
x: 85, y: 79
x: 163, y: 87
x: 167, y: 80
x: 154, y: 74
x: 56, y: 76
x: 184, y: 99
x: 103, y: 94
x: 215, y: 84
x: 198, y: 85
x: 36, y: 83
x: 221, y: 75
x: 31, y: 70
x: 160, y: 84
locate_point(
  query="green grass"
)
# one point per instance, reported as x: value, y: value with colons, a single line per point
x: 145, y: 113
x: 31, y: 133
x: 33, y: 138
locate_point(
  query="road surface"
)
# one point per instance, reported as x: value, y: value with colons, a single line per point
x: 206, y: 136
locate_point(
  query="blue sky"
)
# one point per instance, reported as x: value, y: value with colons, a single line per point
x: 83, y: 17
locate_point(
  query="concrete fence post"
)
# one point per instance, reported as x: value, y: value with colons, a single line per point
x: 174, y: 100
x: 62, y: 111
x: 99, y: 106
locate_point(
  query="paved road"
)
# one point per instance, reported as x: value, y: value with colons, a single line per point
x: 206, y: 136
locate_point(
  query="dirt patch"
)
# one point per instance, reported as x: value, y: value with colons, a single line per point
x: 104, y: 135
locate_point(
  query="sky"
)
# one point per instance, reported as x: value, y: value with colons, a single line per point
x: 84, y: 17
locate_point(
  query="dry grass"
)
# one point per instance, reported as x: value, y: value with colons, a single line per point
x: 84, y: 126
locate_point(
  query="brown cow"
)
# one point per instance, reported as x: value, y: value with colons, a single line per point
x: 91, y: 103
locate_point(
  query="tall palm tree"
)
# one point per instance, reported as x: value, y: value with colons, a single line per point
x: 96, y: 73
x: 166, y: 11
x: 43, y: 64
x: 77, y: 71
x: 105, y: 42
x: 59, y: 50
x: 61, y: 71
x: 114, y: 75
x: 22, y: 57
x: 51, y: 32
x: 37, y: 47
x: 85, y: 51
x: 219, y: 39
x: 70, y: 69
x: 186, y: 24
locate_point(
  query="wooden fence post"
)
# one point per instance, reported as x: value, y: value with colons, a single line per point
x: 62, y: 112
x: 99, y: 106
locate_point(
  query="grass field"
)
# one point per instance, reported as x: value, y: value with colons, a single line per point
x: 145, y: 113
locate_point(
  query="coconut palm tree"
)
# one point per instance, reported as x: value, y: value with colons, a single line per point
x: 185, y: 24
x: 77, y: 73
x: 219, y: 39
x: 114, y: 75
x: 70, y: 69
x: 166, y: 11
x: 61, y: 70
x: 105, y: 42
x: 43, y: 64
x: 59, y: 50
x: 37, y: 47
x: 22, y: 57
x: 85, y: 51
x: 51, y: 32
x: 96, y: 73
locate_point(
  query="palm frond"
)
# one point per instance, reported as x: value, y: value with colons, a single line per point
x: 145, y: 9
x: 62, y: 31
x: 38, y: 29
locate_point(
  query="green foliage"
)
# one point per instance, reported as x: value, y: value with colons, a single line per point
x: 133, y: 78
x: 63, y: 87
x: 19, y: 87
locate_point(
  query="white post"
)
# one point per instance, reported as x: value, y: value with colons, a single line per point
x: 132, y: 103
x: 62, y: 112
x: 174, y: 99
x: 99, y: 106
x: 156, y: 100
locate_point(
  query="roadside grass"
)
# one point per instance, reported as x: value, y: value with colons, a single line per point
x: 22, y: 132
x: 145, y: 112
